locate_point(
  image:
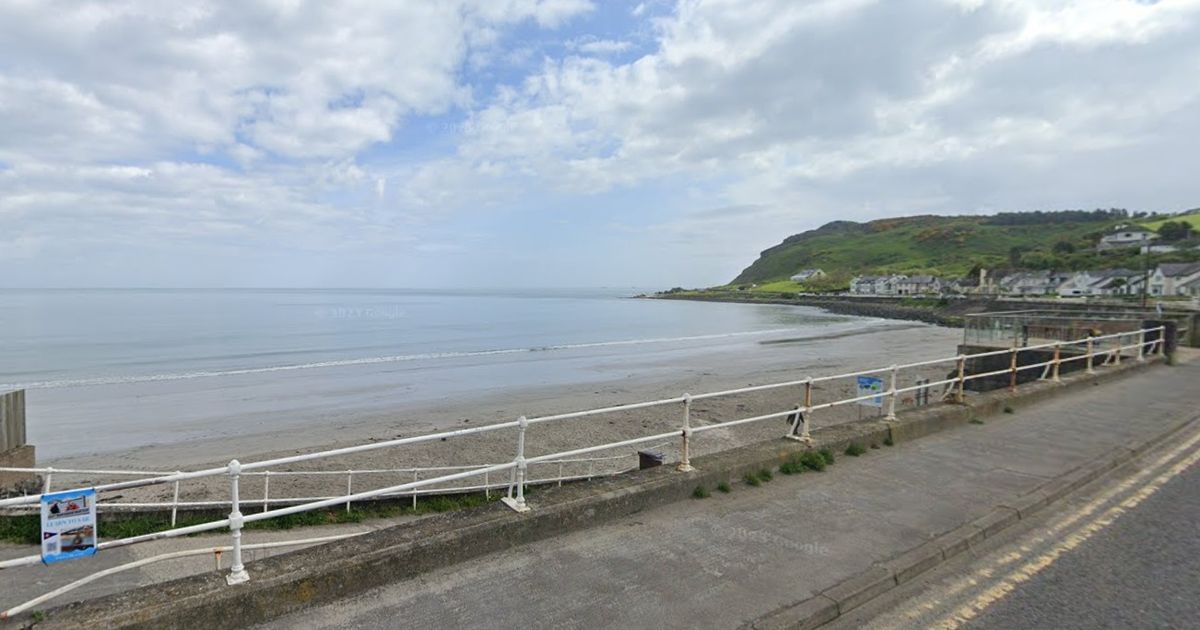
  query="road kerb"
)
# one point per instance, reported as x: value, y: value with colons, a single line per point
x: 922, y: 558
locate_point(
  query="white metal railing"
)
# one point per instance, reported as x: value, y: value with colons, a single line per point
x: 487, y: 485
x: 518, y: 467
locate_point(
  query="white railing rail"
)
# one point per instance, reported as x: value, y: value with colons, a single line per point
x: 487, y: 486
x: 517, y: 468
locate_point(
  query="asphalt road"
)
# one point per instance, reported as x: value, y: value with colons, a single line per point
x: 1124, y: 552
x: 1142, y: 571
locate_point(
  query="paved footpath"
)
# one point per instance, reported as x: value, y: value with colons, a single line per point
x: 729, y: 559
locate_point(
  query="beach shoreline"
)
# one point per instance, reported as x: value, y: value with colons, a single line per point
x: 767, y: 361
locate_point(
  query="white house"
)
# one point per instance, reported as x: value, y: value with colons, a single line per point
x: 862, y: 285
x: 1034, y: 282
x: 1172, y: 278
x: 889, y: 285
x: 1191, y: 287
x: 1118, y: 282
x: 876, y: 285
x: 919, y: 285
x: 1126, y: 236
x: 808, y: 274
x: 1080, y: 283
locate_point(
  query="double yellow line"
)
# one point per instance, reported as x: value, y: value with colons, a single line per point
x: 1001, y: 572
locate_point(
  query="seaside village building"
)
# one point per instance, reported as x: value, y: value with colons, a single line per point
x: 1105, y: 282
x: 919, y: 285
x: 897, y: 284
x: 807, y: 274
x: 1125, y: 236
x: 1033, y: 282
x: 1168, y: 279
x: 1176, y: 279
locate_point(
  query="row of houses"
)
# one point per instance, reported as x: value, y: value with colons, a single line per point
x: 900, y: 284
x: 1168, y: 279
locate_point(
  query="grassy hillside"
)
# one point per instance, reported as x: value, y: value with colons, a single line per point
x: 1192, y: 218
x: 948, y: 246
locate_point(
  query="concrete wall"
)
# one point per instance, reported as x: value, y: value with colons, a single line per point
x: 20, y: 457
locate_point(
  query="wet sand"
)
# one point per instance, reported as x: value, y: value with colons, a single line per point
x: 765, y: 361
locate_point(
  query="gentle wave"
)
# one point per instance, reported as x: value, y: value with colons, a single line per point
x: 180, y: 376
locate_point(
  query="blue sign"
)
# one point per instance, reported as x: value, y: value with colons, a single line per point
x: 68, y: 525
x: 868, y: 385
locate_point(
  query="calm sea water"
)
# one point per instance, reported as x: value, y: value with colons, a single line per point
x: 128, y: 360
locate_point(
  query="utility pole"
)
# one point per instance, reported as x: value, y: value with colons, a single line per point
x: 1145, y: 273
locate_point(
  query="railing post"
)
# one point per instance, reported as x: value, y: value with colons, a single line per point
x: 46, y: 484
x: 891, y: 414
x: 517, y: 503
x: 175, y: 501
x: 959, y: 396
x: 1057, y: 362
x: 1120, y: 348
x: 1141, y: 356
x: 1162, y: 341
x: 267, y: 491
x: 560, y: 473
x: 1091, y: 355
x: 487, y: 487
x: 1012, y: 368
x: 349, y: 488
x: 805, y: 436
x: 685, y: 461
x: 414, y: 490
x: 237, y: 572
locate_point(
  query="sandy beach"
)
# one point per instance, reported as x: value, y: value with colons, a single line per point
x: 769, y: 360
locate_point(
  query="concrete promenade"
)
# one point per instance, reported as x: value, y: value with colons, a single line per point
x: 730, y: 559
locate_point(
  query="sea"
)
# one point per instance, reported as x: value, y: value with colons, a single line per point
x: 121, y: 369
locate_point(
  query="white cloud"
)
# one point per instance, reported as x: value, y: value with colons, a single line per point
x: 244, y: 123
x: 790, y: 94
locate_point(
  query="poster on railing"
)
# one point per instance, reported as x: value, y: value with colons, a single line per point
x: 68, y: 525
x: 868, y: 385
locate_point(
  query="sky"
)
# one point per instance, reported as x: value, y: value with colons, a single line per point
x: 560, y: 143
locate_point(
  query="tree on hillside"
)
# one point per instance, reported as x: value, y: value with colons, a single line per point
x: 1014, y: 255
x: 1063, y: 216
x: 1064, y: 247
x: 1174, y: 230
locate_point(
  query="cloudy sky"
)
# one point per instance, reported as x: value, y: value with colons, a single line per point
x: 560, y: 142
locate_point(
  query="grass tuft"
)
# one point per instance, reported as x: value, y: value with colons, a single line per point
x: 764, y: 475
x: 752, y: 479
x: 874, y: 446
x: 854, y: 450
x: 799, y: 462
x: 888, y: 441
x: 724, y: 488
x: 792, y: 465
x: 827, y: 455
x: 700, y: 493
x: 975, y: 421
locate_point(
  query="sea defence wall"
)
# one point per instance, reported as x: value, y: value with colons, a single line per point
x: 14, y: 452
x: 290, y: 582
